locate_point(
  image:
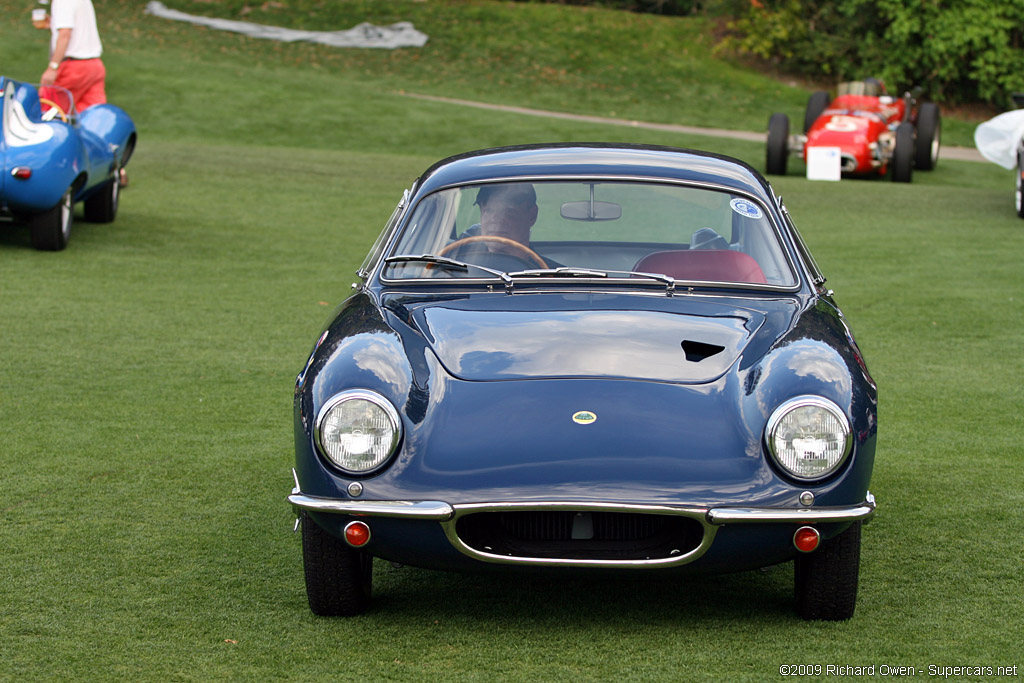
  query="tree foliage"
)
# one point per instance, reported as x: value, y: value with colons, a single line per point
x: 671, y: 7
x: 957, y: 50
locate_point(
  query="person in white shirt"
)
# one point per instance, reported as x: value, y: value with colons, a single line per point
x: 75, y: 50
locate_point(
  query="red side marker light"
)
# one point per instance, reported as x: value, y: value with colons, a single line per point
x: 21, y: 172
x: 357, y: 534
x: 806, y: 539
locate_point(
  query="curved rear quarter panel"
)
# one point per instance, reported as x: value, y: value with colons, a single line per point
x: 53, y: 150
x: 55, y: 164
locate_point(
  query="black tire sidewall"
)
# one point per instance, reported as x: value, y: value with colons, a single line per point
x: 51, y: 230
x: 101, y: 207
x: 338, y: 578
x: 1019, y: 185
x: 825, y: 581
x: 903, y: 154
x: 816, y: 104
x: 929, y: 130
x: 777, y: 153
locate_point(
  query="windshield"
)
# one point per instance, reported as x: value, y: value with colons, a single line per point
x: 613, y: 228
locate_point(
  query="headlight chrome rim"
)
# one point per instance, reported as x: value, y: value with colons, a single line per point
x: 793, y: 404
x: 357, y: 395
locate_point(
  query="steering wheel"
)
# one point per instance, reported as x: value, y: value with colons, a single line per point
x: 53, y: 107
x: 530, y: 254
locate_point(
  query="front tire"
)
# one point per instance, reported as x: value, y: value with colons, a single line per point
x: 51, y: 229
x: 817, y: 103
x: 338, y: 578
x: 903, y: 154
x: 929, y: 133
x: 825, y: 581
x: 778, y: 144
x: 101, y: 207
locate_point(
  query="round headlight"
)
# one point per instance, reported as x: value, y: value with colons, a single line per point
x: 809, y: 437
x: 357, y: 430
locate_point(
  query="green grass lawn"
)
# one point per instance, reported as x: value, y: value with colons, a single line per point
x: 145, y: 397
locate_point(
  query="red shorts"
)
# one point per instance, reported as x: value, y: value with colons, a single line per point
x: 86, y: 79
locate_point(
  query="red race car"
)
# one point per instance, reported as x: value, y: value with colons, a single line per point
x: 870, y: 130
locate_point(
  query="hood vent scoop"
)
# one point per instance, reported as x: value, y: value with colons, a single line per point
x: 697, y: 351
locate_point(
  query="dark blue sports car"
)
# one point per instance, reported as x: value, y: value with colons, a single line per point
x: 586, y: 358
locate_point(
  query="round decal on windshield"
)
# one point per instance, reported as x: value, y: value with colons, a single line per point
x: 746, y: 208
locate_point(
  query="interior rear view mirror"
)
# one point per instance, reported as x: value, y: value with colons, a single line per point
x: 591, y: 211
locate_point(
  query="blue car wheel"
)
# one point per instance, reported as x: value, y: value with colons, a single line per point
x: 51, y: 229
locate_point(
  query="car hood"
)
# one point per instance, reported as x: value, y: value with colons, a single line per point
x: 624, y: 416
x: 561, y: 336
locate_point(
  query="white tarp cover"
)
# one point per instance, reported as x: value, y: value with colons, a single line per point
x: 997, y: 138
x: 401, y: 34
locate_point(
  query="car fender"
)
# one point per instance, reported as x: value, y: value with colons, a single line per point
x: 108, y: 139
x: 356, y: 350
x: 819, y: 357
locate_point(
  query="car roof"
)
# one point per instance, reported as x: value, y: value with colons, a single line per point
x: 584, y: 160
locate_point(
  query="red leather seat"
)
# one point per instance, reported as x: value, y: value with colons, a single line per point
x: 712, y: 265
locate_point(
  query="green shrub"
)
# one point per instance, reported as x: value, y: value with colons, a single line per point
x: 670, y: 7
x: 958, y: 50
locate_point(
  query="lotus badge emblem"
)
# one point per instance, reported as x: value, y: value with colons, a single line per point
x: 584, y: 417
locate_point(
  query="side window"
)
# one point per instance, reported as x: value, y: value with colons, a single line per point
x: 370, y: 262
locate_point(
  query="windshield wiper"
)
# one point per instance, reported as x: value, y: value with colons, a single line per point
x: 669, y: 281
x: 564, y: 271
x: 449, y: 263
x: 571, y: 272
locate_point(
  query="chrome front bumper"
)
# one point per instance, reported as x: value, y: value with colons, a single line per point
x: 440, y: 511
x: 711, y: 519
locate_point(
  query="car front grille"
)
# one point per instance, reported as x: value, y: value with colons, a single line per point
x: 580, y: 535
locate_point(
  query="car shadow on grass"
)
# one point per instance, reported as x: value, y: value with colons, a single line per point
x: 14, y: 236
x: 18, y: 234
x: 742, y: 596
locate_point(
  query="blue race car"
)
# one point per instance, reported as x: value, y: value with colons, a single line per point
x: 597, y: 359
x: 53, y: 157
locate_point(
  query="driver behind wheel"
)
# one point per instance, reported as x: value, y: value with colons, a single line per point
x: 507, y: 210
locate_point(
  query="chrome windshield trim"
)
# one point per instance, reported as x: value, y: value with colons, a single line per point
x: 420, y: 509
x: 730, y: 515
x: 779, y: 230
